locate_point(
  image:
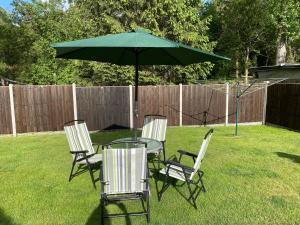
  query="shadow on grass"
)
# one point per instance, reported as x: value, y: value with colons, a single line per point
x: 81, y: 169
x: 105, y: 137
x: 294, y: 158
x: 95, y: 217
x: 177, y: 185
x: 4, y: 219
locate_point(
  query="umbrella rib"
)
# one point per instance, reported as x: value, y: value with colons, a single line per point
x: 67, y: 53
x: 173, y: 57
x: 122, y: 55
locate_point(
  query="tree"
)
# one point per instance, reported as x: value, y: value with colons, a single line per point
x: 38, y: 24
x: 179, y: 20
x: 243, y: 29
x: 254, y: 33
x: 9, y: 53
x: 284, y: 19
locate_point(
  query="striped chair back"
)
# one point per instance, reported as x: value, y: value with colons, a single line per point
x: 79, y: 138
x: 155, y: 127
x: 124, y: 170
x: 84, y: 138
x: 202, y: 151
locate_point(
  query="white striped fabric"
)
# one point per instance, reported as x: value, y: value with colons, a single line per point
x: 73, y: 140
x: 201, y: 154
x: 154, y: 128
x: 84, y: 138
x: 177, y: 172
x: 124, y: 170
x: 174, y: 171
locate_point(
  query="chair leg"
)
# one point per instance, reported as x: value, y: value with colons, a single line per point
x: 148, y: 208
x: 191, y: 194
x: 164, y: 152
x: 202, y: 184
x: 102, y: 205
x: 92, y: 175
x: 73, y: 165
x: 158, y: 163
x: 200, y: 174
x: 164, y: 187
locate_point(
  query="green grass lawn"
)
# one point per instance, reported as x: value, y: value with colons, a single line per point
x: 250, y: 179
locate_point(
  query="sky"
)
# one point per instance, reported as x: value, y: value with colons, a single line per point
x: 6, y: 4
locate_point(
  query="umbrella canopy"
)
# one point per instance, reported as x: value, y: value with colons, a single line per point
x: 138, y: 47
x: 123, y: 48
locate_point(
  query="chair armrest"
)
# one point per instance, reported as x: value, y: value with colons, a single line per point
x: 77, y: 152
x: 171, y: 162
x: 183, y: 152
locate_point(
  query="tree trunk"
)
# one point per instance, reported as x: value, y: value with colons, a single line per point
x: 237, y: 71
x: 246, y: 64
x: 281, y: 51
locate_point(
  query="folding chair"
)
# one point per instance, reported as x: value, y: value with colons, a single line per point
x: 155, y: 127
x: 124, y: 176
x: 81, y: 147
x: 176, y: 170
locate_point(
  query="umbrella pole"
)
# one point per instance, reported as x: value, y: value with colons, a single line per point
x: 136, y: 97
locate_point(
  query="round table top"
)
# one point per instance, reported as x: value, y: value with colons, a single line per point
x: 153, y: 146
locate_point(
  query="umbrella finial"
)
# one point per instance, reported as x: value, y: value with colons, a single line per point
x: 142, y: 30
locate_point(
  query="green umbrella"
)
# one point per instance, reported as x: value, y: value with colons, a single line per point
x: 138, y: 47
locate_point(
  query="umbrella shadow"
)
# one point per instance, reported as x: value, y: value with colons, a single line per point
x: 293, y: 158
x: 107, y: 137
x: 5, y: 219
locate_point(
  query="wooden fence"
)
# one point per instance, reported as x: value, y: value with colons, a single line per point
x: 31, y: 108
x: 283, y: 105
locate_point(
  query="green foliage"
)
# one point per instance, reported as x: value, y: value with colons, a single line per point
x: 36, y: 25
x: 284, y: 20
x: 238, y: 25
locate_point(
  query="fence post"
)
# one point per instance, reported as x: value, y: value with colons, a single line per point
x: 265, y: 102
x: 74, y: 101
x: 227, y: 104
x: 130, y: 108
x: 12, y: 110
x: 180, y: 105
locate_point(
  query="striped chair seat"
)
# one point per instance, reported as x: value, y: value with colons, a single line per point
x: 124, y: 170
x: 92, y: 159
x: 175, y: 172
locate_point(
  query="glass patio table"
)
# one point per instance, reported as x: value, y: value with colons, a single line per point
x: 153, y: 146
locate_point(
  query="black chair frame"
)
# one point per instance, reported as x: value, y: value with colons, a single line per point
x: 198, y: 183
x: 85, y: 157
x: 143, y: 197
